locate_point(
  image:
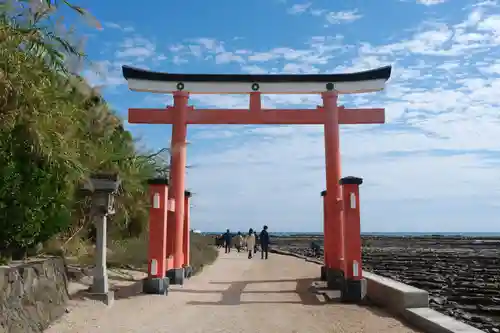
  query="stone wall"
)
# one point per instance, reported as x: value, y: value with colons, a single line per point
x: 32, y: 295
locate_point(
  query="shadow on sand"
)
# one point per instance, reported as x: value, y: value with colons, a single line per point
x: 133, y: 289
x: 233, y: 294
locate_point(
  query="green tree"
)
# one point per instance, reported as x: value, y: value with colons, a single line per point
x: 54, y: 131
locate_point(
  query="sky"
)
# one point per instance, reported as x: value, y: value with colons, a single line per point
x: 432, y: 167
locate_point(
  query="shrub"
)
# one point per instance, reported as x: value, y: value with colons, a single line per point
x: 54, y: 131
x: 131, y: 253
x: 203, y: 251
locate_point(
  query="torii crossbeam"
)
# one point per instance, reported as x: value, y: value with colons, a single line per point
x: 329, y: 114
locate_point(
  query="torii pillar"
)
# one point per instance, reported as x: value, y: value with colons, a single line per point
x: 177, y: 184
x: 334, y: 222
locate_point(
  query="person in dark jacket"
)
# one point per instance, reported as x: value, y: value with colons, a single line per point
x: 227, y: 241
x: 264, y: 242
x: 256, y: 242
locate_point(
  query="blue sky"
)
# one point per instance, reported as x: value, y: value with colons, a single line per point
x: 434, y: 166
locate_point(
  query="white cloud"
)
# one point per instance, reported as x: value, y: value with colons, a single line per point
x: 104, y: 74
x: 486, y: 3
x: 133, y: 50
x: 331, y: 17
x: 227, y: 57
x: 343, y: 16
x: 117, y: 26
x: 299, y: 8
x: 136, y: 47
x: 431, y: 2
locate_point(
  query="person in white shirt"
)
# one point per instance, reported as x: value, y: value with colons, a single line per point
x: 250, y: 243
x: 238, y: 241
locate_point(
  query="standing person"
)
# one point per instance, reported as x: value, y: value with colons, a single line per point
x: 238, y: 241
x: 227, y: 241
x: 256, y: 242
x: 264, y: 242
x: 250, y: 243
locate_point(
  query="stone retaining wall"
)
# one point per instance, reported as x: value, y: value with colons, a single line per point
x: 32, y: 295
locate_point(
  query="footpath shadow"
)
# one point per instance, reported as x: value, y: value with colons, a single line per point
x: 233, y: 294
x: 123, y: 286
x: 124, y: 282
x: 133, y: 289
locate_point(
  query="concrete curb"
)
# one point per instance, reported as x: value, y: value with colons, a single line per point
x: 402, y: 300
x: 393, y: 295
x: 432, y: 321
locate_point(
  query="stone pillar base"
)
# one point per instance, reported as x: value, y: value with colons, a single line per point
x: 107, y: 298
x: 100, y: 283
x: 354, y: 291
x: 323, y: 273
x: 335, y: 279
x: 188, y: 271
x: 155, y: 286
x: 176, y: 276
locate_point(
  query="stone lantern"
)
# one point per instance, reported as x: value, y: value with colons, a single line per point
x: 102, y: 188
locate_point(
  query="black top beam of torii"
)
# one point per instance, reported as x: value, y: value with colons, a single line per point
x: 346, y: 83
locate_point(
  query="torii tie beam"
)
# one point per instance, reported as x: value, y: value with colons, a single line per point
x: 330, y: 115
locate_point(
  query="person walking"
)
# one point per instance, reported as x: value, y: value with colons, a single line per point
x: 238, y: 241
x: 264, y: 243
x: 227, y: 241
x: 256, y: 242
x: 250, y: 243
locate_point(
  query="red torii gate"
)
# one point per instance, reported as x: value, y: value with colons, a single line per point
x: 342, y: 268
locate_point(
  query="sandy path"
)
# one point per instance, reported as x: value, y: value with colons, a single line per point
x: 234, y: 295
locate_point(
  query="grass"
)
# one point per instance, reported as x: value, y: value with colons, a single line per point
x: 203, y: 252
x: 130, y: 253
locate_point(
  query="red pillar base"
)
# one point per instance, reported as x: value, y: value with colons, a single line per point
x: 155, y: 286
x: 354, y: 291
x: 323, y: 273
x: 335, y: 279
x: 176, y: 276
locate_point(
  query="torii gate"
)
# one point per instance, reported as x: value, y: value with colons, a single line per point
x: 341, y: 267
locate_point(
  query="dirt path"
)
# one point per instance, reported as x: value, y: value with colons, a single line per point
x: 234, y: 295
